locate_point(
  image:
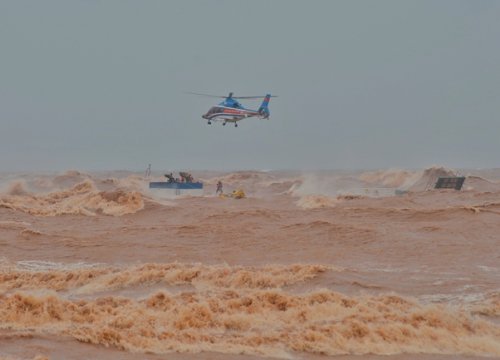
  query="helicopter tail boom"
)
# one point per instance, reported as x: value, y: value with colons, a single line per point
x: 264, y: 109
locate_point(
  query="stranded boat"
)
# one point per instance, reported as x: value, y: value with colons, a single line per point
x: 184, y: 182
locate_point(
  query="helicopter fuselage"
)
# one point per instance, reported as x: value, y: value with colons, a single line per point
x: 230, y: 110
x: 229, y: 114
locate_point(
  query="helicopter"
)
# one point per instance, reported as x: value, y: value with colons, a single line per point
x: 230, y: 110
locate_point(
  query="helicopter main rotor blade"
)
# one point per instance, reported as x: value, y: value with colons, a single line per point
x: 226, y: 96
x: 252, y: 97
x: 207, y: 95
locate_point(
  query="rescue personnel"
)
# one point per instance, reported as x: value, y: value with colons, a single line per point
x: 170, y: 178
x: 219, y: 188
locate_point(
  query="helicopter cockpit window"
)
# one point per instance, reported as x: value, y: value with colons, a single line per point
x: 213, y: 110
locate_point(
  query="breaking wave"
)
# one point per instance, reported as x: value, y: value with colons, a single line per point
x: 489, y: 306
x: 94, y: 278
x: 233, y: 310
x: 81, y: 199
x: 429, y: 177
x: 260, y: 322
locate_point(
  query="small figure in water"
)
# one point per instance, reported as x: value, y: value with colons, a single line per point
x: 219, y: 188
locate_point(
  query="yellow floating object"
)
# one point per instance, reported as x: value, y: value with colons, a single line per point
x: 238, y: 194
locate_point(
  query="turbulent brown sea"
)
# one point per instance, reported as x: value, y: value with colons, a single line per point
x: 321, y: 265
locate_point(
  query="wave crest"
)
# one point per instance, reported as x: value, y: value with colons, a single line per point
x: 256, y: 322
x: 95, y: 279
x: 81, y: 199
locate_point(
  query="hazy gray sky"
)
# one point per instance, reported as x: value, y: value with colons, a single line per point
x: 362, y: 84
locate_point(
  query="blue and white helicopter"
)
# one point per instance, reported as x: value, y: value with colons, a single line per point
x: 230, y: 110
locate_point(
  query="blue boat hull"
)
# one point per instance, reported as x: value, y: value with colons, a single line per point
x: 176, y: 186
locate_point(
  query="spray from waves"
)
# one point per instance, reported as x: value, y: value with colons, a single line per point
x: 336, y: 186
x: 81, y: 199
x: 17, y: 188
x: 325, y: 190
x: 317, y: 185
x: 130, y: 182
x: 429, y: 178
x: 69, y: 178
x: 395, y: 178
x: 425, y: 179
x: 258, y: 322
x: 407, y: 180
x: 316, y: 202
